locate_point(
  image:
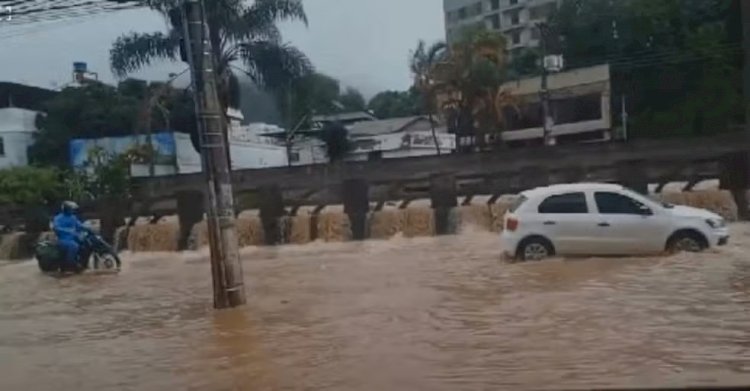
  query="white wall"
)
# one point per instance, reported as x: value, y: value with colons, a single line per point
x: 310, y: 153
x: 250, y: 155
x: 418, y: 140
x: 245, y: 155
x: 188, y: 161
x: 17, y: 127
x: 16, y: 146
x: 142, y: 170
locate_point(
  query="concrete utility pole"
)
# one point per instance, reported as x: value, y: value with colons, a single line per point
x: 226, y: 270
x: 745, y: 9
x: 545, y: 95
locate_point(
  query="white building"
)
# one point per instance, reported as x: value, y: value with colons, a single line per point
x: 345, y: 119
x: 516, y: 19
x: 399, y: 138
x: 580, y: 107
x: 17, y: 128
x: 381, y: 139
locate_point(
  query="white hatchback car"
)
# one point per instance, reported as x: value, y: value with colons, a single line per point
x: 604, y: 219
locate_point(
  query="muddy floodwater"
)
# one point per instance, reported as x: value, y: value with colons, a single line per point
x: 403, y: 314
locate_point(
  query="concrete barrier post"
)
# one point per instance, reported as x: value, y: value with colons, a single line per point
x: 356, y: 196
x: 36, y: 219
x: 444, y: 197
x: 735, y: 177
x: 632, y: 175
x: 111, y: 216
x: 190, y: 209
x: 271, y: 201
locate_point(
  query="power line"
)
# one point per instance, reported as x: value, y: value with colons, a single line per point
x: 60, y: 9
x: 68, y: 16
x: 672, y: 56
x: 47, y: 25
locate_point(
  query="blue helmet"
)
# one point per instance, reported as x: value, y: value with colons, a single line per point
x: 69, y: 207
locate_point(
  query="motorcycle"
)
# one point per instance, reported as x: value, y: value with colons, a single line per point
x: 50, y: 257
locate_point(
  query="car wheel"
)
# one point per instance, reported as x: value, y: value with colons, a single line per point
x: 687, y: 242
x: 535, y: 249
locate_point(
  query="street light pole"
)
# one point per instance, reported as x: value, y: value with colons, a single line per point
x: 226, y: 269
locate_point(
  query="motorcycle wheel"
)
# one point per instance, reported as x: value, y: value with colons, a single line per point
x: 106, y: 262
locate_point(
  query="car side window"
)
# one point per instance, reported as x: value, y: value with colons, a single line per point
x: 571, y: 203
x: 618, y: 204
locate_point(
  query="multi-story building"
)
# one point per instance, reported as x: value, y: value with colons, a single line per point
x: 516, y: 19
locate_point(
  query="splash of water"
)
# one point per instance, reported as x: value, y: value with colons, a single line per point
x: 419, y: 222
x: 154, y: 238
x: 299, y: 229
x: 415, y: 221
x: 386, y: 224
x: 334, y: 227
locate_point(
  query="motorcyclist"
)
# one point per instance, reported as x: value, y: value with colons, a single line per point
x: 68, y: 229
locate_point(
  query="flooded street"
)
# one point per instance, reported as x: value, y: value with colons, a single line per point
x: 403, y: 314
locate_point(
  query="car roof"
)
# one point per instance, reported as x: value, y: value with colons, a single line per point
x: 572, y: 187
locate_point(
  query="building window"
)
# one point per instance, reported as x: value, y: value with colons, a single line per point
x: 462, y: 13
x: 495, y: 5
x: 577, y: 109
x: 476, y: 9
x: 375, y: 155
x: 466, y: 141
x: 542, y: 11
x: 536, y: 34
x: 516, y: 37
x: 515, y: 18
x: 294, y: 157
x: 513, y: 2
x: 2, y: 147
x: 494, y: 21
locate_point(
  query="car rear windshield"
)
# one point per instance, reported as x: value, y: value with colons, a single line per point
x: 517, y: 203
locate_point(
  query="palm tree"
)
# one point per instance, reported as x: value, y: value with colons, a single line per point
x: 238, y: 33
x: 468, y: 84
x: 422, y: 64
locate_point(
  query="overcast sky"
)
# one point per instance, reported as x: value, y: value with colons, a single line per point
x: 364, y: 43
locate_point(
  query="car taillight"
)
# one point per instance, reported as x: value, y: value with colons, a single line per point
x: 511, y: 224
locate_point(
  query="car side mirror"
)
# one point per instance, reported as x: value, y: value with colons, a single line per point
x: 645, y: 211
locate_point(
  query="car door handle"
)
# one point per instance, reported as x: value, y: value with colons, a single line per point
x: 604, y: 225
x: 550, y: 223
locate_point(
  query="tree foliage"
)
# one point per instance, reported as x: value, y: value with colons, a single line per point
x: 336, y: 139
x: 525, y: 63
x: 98, y: 110
x: 30, y: 186
x: 468, y: 84
x: 422, y: 63
x: 352, y: 100
x: 669, y: 57
x: 103, y: 176
x: 238, y: 32
x: 396, y: 104
x: 317, y: 94
x: 313, y: 93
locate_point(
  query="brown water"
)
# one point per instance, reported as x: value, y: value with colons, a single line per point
x: 403, y: 314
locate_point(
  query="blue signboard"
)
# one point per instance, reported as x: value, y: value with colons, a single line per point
x: 163, y: 144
